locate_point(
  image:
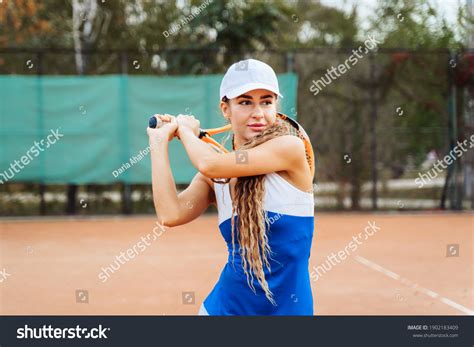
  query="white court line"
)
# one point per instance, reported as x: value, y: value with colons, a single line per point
x: 415, y: 286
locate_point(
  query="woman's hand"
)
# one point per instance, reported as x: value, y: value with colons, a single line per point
x: 167, y: 131
x: 188, y: 122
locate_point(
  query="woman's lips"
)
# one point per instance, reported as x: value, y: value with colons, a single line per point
x: 257, y: 127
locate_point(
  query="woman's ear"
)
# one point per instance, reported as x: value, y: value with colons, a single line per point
x: 225, y: 110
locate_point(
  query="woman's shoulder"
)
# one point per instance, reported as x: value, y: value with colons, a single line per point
x: 207, y: 180
x: 210, y: 185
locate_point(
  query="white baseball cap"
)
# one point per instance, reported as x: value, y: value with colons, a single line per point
x: 246, y: 75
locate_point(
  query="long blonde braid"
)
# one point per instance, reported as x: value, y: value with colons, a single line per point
x: 248, y: 204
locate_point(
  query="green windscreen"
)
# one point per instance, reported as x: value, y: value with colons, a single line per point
x: 98, y: 124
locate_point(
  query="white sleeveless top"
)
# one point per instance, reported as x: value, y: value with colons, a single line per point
x: 280, y: 197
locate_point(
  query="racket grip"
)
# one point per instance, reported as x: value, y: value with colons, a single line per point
x: 152, y: 122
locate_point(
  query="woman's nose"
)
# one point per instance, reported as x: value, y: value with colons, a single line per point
x: 257, y: 112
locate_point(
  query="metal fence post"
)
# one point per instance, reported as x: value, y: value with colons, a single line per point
x: 450, y: 188
x: 126, y: 188
x: 71, y: 187
x: 373, y: 135
x: 42, y: 187
x: 290, y: 61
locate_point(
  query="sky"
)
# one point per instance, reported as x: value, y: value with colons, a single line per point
x: 447, y: 7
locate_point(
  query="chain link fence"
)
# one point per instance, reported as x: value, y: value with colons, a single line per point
x: 381, y: 122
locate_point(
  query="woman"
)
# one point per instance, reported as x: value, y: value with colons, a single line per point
x: 265, y: 204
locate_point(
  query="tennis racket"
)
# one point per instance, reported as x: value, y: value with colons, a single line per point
x: 295, y: 129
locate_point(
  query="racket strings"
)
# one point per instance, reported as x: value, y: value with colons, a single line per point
x: 292, y: 130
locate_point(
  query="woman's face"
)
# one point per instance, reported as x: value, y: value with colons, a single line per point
x: 250, y: 113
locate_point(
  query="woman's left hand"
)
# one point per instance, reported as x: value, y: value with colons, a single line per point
x: 190, y: 122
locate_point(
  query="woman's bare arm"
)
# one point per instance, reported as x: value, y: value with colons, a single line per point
x: 194, y: 200
x: 173, y: 209
x: 165, y: 195
x: 283, y: 153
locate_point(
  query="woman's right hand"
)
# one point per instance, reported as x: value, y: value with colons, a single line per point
x: 168, y: 129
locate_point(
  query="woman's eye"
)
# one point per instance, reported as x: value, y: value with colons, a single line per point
x: 244, y: 102
x: 248, y: 102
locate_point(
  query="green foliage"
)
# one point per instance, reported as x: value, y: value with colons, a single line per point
x: 412, y: 24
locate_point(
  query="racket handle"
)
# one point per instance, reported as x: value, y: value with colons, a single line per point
x: 153, y: 122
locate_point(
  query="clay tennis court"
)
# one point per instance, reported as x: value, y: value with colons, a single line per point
x: 402, y: 269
